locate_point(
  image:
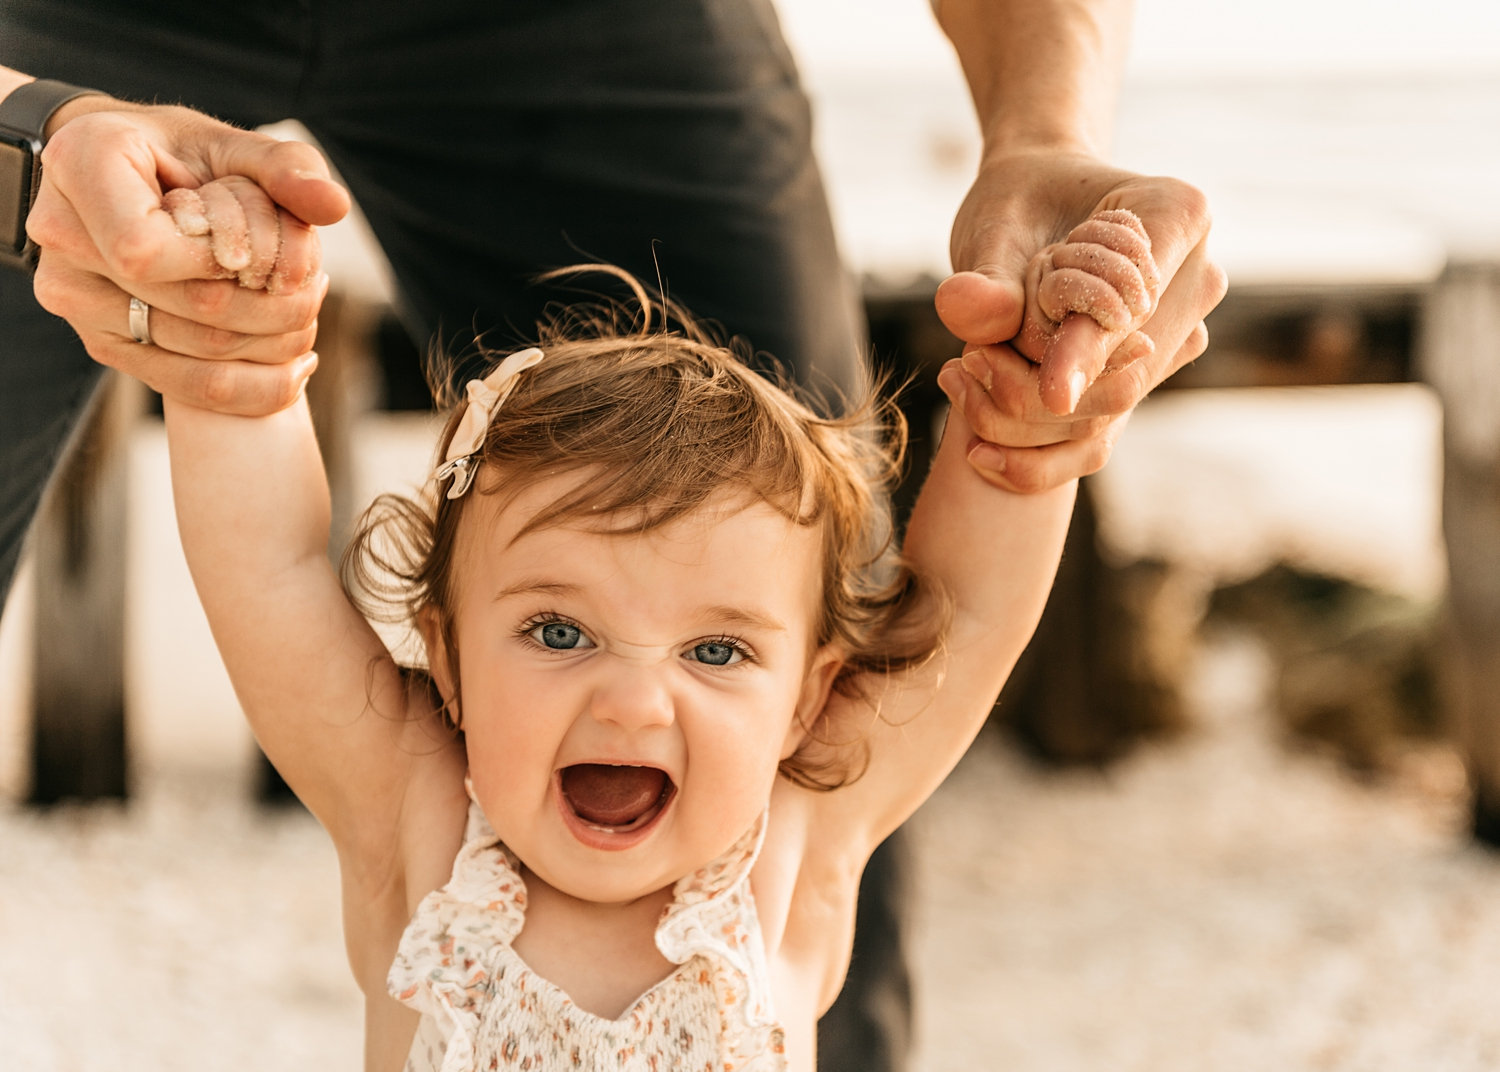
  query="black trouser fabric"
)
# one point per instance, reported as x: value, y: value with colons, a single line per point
x: 486, y: 141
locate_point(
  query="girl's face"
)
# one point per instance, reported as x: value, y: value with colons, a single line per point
x: 626, y: 699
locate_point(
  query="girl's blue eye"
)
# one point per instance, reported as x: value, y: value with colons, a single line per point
x: 717, y: 653
x: 560, y: 636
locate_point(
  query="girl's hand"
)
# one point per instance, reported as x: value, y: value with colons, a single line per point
x: 245, y: 235
x: 1095, y: 289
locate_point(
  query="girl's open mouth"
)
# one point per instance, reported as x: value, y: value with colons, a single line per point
x: 614, y: 799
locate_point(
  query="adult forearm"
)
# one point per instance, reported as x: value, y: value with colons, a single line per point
x: 1042, y: 73
x: 10, y: 79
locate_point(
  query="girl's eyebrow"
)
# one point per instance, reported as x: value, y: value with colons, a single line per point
x: 750, y: 617
x: 756, y: 619
x: 529, y: 586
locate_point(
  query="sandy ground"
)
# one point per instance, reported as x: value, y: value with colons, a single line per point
x: 1214, y: 903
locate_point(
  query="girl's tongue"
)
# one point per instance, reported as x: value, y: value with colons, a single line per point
x: 612, y: 796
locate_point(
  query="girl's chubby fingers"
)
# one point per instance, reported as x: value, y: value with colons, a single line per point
x: 1104, y: 269
x: 1128, y: 289
x: 1085, y: 296
x: 251, y: 239
x: 189, y: 216
x: 1121, y: 233
x: 228, y: 236
x: 300, y: 260
x: 263, y: 231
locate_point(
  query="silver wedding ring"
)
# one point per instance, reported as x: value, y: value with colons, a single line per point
x: 140, y: 321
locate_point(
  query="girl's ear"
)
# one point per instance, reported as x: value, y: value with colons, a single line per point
x: 822, y: 669
x: 431, y: 630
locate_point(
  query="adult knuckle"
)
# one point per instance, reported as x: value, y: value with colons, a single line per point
x: 132, y: 253
x: 1025, y: 472
x: 218, y: 385
x: 113, y: 354
x: 1089, y: 428
x: 1215, y: 284
x: 1193, y: 204
x: 220, y: 342
x: 279, y: 349
x: 44, y: 225
x: 304, y: 340
x: 208, y: 299
x: 52, y: 290
x: 1097, y: 456
x: 295, y: 156
x: 283, y: 394
x: 1011, y: 396
x: 1197, y: 342
x: 1121, y: 391
x: 303, y: 309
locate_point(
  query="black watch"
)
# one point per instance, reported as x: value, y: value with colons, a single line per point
x: 23, y: 120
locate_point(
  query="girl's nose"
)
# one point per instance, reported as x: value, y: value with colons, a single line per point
x: 632, y: 697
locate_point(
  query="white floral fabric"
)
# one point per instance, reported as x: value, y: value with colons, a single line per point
x: 483, y: 1008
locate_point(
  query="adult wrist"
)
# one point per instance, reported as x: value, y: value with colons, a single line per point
x: 93, y: 100
x: 1030, y: 140
x: 32, y: 108
x: 25, y: 115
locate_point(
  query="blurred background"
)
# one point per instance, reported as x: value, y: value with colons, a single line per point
x: 1235, y: 810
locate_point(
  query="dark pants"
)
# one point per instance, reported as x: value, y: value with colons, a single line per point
x: 486, y: 141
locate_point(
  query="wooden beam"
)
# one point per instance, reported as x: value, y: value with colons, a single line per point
x: 78, y: 739
x: 1460, y: 358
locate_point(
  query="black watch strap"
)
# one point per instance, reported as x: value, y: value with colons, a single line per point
x: 24, y: 112
x: 27, y: 108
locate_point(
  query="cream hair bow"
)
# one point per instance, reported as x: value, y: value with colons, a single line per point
x: 486, y: 396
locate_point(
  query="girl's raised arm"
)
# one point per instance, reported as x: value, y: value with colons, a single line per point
x: 995, y: 549
x: 320, y: 690
x: 995, y: 553
x: 323, y: 695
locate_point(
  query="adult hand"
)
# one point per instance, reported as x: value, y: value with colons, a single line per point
x: 1025, y: 201
x: 1022, y: 445
x: 105, y: 237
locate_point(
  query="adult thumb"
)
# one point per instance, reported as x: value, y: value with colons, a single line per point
x: 982, y: 306
x: 292, y: 173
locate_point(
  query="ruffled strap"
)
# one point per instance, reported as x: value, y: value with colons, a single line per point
x: 443, y: 968
x: 713, y: 915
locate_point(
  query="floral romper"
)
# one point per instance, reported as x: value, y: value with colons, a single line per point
x: 484, y: 1008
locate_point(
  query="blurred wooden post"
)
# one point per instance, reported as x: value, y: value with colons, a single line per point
x: 1460, y: 358
x: 78, y: 741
